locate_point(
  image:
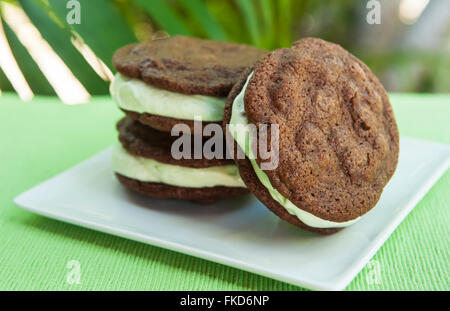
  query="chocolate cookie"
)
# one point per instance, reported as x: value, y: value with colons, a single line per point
x: 338, y: 139
x: 205, y: 195
x: 144, y: 141
x: 187, y: 65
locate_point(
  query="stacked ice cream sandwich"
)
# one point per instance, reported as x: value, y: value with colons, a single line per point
x: 169, y: 88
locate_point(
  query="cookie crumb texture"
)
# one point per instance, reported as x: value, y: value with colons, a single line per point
x: 187, y: 65
x: 339, y: 141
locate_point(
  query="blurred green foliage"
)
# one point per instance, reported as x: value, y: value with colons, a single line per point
x: 107, y: 25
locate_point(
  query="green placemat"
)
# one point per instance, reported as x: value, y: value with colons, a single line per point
x: 44, y: 137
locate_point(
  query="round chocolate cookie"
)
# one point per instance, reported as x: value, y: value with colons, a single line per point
x: 205, y: 195
x: 142, y: 142
x: 338, y: 138
x: 187, y: 65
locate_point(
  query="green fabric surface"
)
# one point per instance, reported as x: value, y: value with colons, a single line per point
x: 41, y: 138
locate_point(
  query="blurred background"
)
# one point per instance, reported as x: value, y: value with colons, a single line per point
x: 46, y: 48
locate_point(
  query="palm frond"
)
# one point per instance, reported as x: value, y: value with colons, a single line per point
x: 102, y: 28
x: 165, y: 16
x: 34, y: 76
x: 248, y: 11
x: 59, y: 39
x: 199, y: 11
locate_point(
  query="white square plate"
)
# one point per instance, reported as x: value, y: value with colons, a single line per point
x: 241, y: 232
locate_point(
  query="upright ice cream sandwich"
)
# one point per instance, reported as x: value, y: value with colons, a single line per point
x: 337, y: 137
